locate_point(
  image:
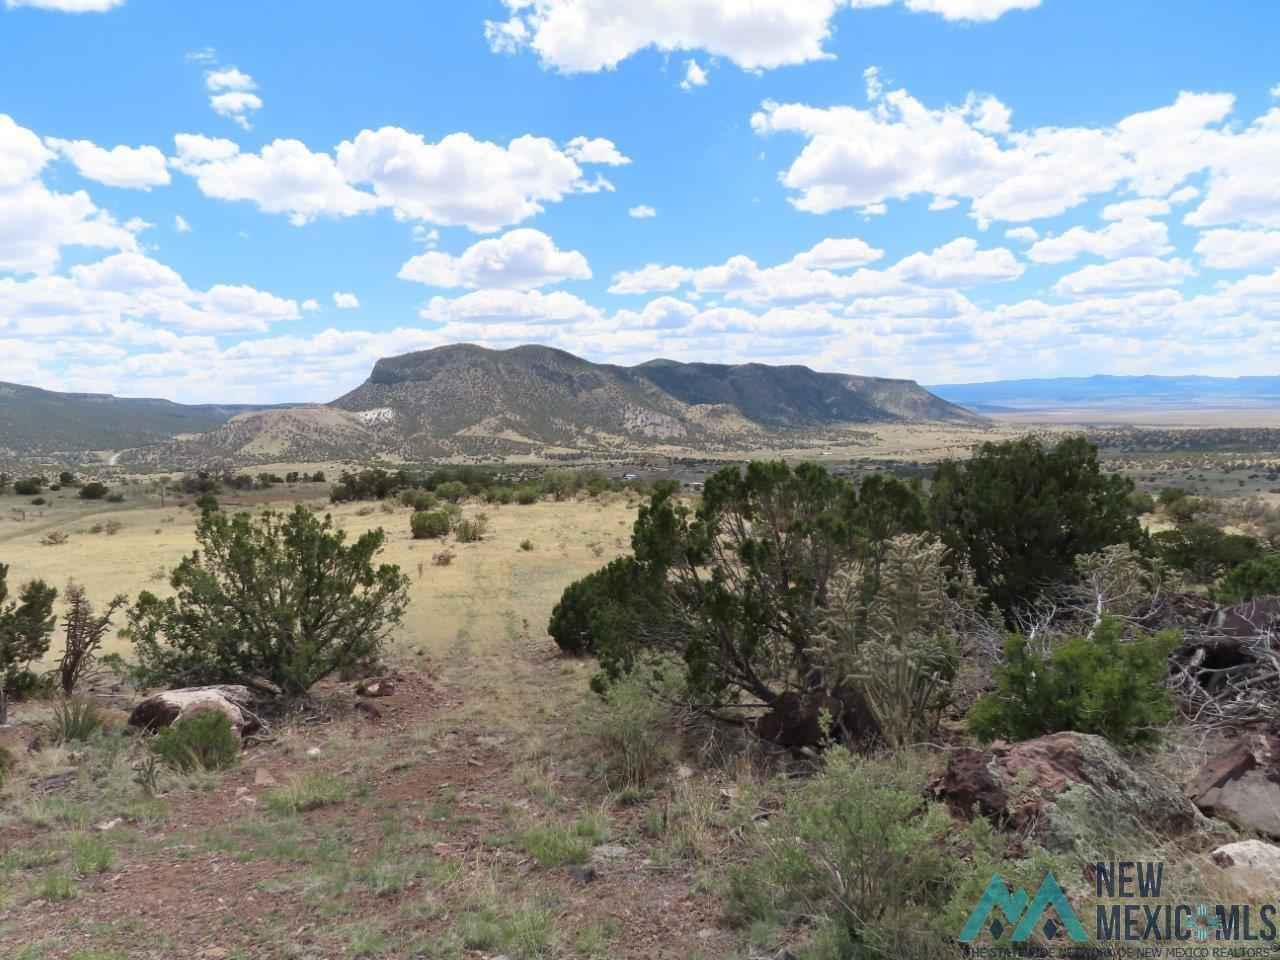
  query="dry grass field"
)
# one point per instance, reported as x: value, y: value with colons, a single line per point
x: 491, y: 590
x: 448, y: 826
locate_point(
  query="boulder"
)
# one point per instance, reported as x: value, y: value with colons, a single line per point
x: 1252, y: 867
x: 1242, y: 784
x: 375, y: 687
x: 166, y: 709
x: 1069, y: 791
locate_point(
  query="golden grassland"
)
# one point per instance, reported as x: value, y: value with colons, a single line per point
x: 489, y: 592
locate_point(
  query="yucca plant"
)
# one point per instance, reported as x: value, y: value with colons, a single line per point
x: 75, y: 721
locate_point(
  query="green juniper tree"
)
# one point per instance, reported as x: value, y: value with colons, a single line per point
x: 26, y: 626
x: 1019, y: 514
x: 277, y: 603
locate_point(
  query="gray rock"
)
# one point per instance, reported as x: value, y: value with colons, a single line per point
x: 166, y: 709
x: 1242, y: 784
x: 1252, y: 867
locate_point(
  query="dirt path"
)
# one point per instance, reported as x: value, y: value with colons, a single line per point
x: 421, y: 857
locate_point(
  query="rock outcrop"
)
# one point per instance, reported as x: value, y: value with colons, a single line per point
x: 167, y: 708
x: 1252, y: 867
x: 1242, y: 785
x: 1070, y: 791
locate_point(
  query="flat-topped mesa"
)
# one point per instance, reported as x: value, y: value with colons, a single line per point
x: 471, y: 401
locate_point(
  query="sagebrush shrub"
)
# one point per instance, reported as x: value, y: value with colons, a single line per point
x: 204, y: 742
x: 471, y: 529
x: 1097, y: 683
x: 873, y: 868
x: 634, y: 731
x: 429, y: 525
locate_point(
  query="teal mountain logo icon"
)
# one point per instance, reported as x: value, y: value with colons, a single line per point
x: 1022, y: 917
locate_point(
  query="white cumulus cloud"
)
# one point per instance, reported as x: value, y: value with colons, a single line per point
x: 460, y: 181
x: 694, y: 75
x: 1228, y: 249
x: 345, y: 301
x: 1123, y: 238
x: 231, y: 94
x: 36, y: 222
x: 137, y: 168
x: 1121, y: 276
x: 286, y: 177
x: 597, y: 150
x: 900, y: 148
x: 1128, y: 209
x: 812, y: 276
x: 838, y: 254
x: 576, y: 36
x: 518, y: 260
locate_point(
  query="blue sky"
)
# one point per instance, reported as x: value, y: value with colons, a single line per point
x: 946, y: 190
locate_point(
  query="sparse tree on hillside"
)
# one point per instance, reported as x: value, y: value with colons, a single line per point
x: 26, y: 625
x: 738, y: 588
x: 1019, y: 514
x: 277, y: 603
x: 94, y: 491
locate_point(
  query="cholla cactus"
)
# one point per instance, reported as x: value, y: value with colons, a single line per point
x: 1116, y: 582
x: 890, y: 635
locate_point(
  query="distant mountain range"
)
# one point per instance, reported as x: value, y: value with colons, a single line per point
x: 35, y: 422
x: 1113, y: 393
x: 467, y: 400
